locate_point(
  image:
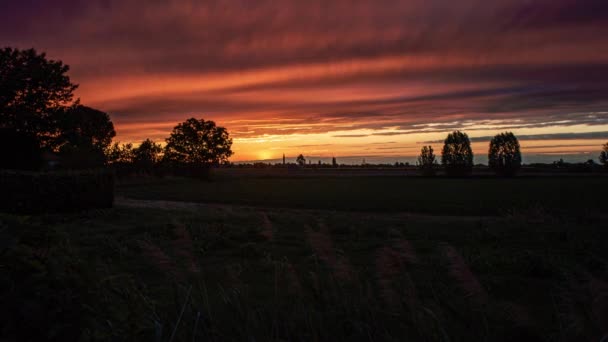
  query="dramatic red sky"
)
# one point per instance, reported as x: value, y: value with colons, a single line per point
x: 344, y: 78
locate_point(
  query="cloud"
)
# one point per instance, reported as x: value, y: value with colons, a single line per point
x: 350, y: 135
x: 393, y: 68
x: 549, y: 136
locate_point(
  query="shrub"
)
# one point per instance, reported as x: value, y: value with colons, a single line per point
x: 20, y: 151
x: 61, y: 191
x: 457, y: 156
x: 504, y: 156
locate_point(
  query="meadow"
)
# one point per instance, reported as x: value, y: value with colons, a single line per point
x: 440, y: 195
x: 315, y: 259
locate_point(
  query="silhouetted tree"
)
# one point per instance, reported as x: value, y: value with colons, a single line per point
x: 457, y: 156
x: 84, y: 134
x: 504, y: 156
x: 604, y: 155
x: 334, y: 163
x: 426, y: 161
x: 147, y: 154
x: 34, y: 93
x: 120, y: 153
x: 198, y: 143
x: 83, y: 126
x: 301, y: 160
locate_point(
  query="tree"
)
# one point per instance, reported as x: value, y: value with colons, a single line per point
x: 504, y: 156
x: 334, y: 163
x: 120, y: 154
x: 84, y: 135
x: 147, y: 154
x: 198, y: 143
x: 83, y: 126
x: 604, y: 155
x: 457, y: 156
x: 301, y: 160
x: 34, y: 91
x: 426, y: 161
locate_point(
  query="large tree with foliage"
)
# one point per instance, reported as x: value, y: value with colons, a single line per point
x: 84, y: 136
x: 426, y: 161
x: 87, y: 128
x: 198, y: 143
x: 504, y: 156
x: 147, y: 154
x: 120, y: 153
x: 457, y: 156
x: 604, y: 155
x: 34, y: 93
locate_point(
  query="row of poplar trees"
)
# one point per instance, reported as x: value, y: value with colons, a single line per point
x: 504, y: 156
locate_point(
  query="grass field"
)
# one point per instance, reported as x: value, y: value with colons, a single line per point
x: 441, y: 196
x: 290, y: 267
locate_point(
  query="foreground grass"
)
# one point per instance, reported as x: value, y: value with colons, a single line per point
x: 224, y: 273
x: 442, y: 196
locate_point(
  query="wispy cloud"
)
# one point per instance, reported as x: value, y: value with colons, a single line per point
x: 550, y: 136
x: 390, y: 68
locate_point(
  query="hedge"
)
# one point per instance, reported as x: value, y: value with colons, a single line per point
x: 27, y: 192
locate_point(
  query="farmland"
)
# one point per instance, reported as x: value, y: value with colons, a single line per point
x: 440, y: 196
x: 338, y: 258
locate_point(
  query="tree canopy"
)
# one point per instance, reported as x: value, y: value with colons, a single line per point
x: 457, y: 156
x: 34, y: 92
x: 36, y: 105
x: 198, y: 142
x: 426, y: 161
x: 86, y: 127
x: 604, y: 155
x: 147, y: 154
x: 504, y: 156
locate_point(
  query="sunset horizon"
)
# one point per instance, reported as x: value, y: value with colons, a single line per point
x: 304, y: 170
x: 340, y: 79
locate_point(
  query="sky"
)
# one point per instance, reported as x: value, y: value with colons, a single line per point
x: 377, y: 78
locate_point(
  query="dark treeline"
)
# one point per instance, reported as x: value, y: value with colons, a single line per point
x: 43, y: 127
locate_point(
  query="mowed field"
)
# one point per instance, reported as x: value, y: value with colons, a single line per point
x: 441, y: 196
x: 316, y: 259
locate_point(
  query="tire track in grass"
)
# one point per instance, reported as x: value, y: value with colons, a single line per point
x: 322, y: 244
x: 388, y: 267
x: 407, y: 251
x: 293, y: 281
x: 390, y: 263
x: 267, y: 227
x: 160, y: 258
x: 183, y: 247
x: 477, y: 294
x: 466, y: 279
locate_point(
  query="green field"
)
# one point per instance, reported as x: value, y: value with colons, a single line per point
x: 333, y: 259
x: 441, y: 196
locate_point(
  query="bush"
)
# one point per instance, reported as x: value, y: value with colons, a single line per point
x: 19, y: 151
x: 39, y: 192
